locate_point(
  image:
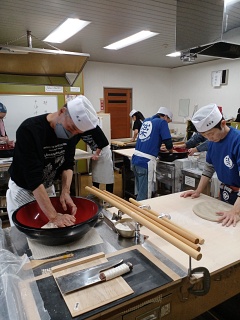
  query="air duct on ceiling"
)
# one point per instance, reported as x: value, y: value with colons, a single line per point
x: 208, y: 28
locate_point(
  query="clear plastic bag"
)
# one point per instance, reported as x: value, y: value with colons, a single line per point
x: 12, y: 275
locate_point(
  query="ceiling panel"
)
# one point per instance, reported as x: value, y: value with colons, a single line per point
x: 110, y: 21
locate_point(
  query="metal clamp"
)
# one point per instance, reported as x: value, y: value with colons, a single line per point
x: 165, y: 215
x: 117, y: 216
x: 205, y: 280
x: 137, y: 231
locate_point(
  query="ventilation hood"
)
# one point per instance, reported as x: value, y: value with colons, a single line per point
x: 28, y: 61
x: 208, y: 28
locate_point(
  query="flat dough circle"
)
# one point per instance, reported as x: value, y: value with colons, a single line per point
x: 207, y: 209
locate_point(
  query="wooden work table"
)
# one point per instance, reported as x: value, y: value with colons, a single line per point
x: 117, y: 146
x: 221, y: 243
x: 172, y: 301
x: 125, y: 152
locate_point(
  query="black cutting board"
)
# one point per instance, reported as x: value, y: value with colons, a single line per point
x: 145, y: 277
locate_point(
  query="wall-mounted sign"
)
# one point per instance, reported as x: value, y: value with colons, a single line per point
x: 75, y: 89
x: 183, y: 109
x: 219, y: 77
x: 54, y: 89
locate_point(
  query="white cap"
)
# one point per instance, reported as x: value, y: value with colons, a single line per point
x: 206, y: 117
x: 82, y: 113
x: 166, y: 112
x: 132, y: 112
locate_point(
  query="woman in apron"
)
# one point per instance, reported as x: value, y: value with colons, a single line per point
x: 102, y: 164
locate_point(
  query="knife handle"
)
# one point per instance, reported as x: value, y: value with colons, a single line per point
x: 116, y: 272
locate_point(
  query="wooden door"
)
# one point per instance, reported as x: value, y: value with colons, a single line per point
x: 118, y: 102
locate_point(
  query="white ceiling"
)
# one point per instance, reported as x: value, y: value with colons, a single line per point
x: 110, y: 21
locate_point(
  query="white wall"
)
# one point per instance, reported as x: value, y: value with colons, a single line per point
x: 154, y: 87
x: 194, y: 82
x: 151, y: 87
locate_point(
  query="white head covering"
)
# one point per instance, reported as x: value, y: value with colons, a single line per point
x: 166, y: 112
x: 206, y: 117
x: 132, y: 112
x: 82, y: 113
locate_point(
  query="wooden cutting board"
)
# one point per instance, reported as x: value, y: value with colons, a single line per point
x: 207, y: 209
x: 90, y: 298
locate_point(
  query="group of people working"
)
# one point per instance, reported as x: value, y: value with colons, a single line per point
x: 223, y: 156
x: 45, y: 150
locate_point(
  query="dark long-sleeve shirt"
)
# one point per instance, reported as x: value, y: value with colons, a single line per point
x: 39, y: 156
x: 95, y: 138
x: 198, y: 141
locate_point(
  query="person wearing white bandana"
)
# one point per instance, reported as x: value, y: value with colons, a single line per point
x: 153, y: 133
x: 223, y: 156
x: 44, y: 151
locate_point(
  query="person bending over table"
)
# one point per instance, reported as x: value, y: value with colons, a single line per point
x: 223, y: 156
x: 138, y: 119
x: 44, y: 151
x: 197, y: 143
x: 153, y: 133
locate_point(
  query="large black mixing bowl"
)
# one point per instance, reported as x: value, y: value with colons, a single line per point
x: 29, y: 219
x: 169, y: 157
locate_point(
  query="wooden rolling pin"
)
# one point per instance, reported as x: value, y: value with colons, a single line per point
x: 170, y: 224
x: 153, y: 219
x: 36, y: 263
x: 179, y: 244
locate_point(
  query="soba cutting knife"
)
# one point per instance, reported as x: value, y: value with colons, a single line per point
x: 88, y: 277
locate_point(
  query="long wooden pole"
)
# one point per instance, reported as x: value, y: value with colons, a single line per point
x: 170, y: 224
x: 153, y: 219
x: 179, y: 244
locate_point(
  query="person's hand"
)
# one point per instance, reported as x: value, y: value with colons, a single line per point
x: 163, y: 148
x: 191, y: 151
x: 63, y: 220
x: 11, y: 143
x: 95, y: 156
x: 190, y: 193
x: 228, y: 217
x: 66, y: 201
x: 4, y: 139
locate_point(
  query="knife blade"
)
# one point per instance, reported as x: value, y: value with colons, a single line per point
x: 103, y: 276
x: 74, y: 280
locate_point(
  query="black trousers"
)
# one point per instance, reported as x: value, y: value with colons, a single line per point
x: 109, y: 186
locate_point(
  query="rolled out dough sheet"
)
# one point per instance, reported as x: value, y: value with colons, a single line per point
x: 207, y: 209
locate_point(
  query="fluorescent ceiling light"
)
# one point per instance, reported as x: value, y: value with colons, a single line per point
x: 66, y: 30
x: 137, y: 37
x: 227, y: 2
x: 174, y: 54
